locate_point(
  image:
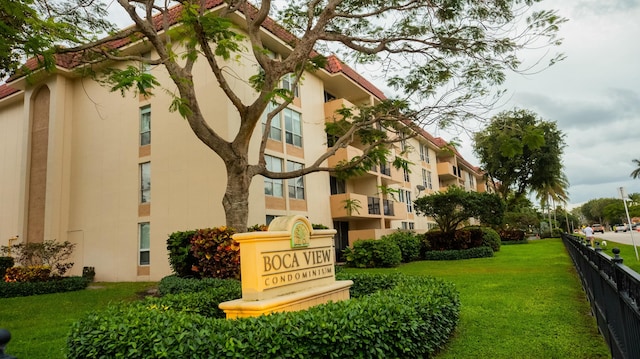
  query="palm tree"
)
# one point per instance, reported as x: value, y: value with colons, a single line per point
x: 636, y: 172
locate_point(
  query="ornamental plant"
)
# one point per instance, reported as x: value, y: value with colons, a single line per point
x: 27, y: 274
x: 218, y: 255
x: 48, y: 253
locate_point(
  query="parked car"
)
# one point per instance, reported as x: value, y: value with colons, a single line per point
x: 620, y: 228
x: 597, y: 227
x: 635, y: 226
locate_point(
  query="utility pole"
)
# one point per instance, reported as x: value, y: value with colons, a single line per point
x: 626, y: 210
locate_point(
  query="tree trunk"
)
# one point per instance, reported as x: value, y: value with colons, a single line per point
x: 236, y: 197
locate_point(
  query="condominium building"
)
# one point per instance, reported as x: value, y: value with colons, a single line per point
x: 116, y: 175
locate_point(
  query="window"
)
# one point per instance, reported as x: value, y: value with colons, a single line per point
x: 406, y: 175
x: 293, y: 127
x: 273, y: 187
x: 424, y: 153
x: 145, y: 182
x: 144, y: 241
x: 408, y: 225
x: 269, y: 218
x: 288, y: 84
x: 276, y: 126
x: 144, y: 67
x: 145, y: 125
x: 471, y: 180
x: 296, y: 185
x: 408, y: 201
x: 337, y: 185
x: 426, y: 179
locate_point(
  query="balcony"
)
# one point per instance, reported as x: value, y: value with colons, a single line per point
x: 354, y: 206
x: 446, y: 171
x: 365, y: 207
x: 331, y: 107
x: 344, y: 154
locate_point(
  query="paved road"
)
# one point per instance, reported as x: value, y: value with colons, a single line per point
x: 620, y: 237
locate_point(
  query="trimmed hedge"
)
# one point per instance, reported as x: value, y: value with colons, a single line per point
x: 373, y: 253
x: 180, y: 257
x: 58, y: 285
x: 478, y: 252
x: 409, y: 244
x: 406, y: 317
x: 512, y: 235
x: 173, y: 285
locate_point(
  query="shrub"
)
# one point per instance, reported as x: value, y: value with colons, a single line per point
x: 173, y: 285
x: 373, y: 253
x: 490, y: 238
x: 217, y: 253
x: 49, y: 253
x: 470, y: 237
x: 203, y: 302
x: 478, y: 252
x: 89, y: 273
x: 5, y: 263
x: 413, y: 318
x: 557, y: 232
x: 27, y: 274
x: 258, y: 228
x: 56, y: 285
x: 409, y: 244
x: 512, y: 235
x: 180, y: 257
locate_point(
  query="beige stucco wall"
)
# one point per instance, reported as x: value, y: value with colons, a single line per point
x: 96, y: 161
x: 12, y: 143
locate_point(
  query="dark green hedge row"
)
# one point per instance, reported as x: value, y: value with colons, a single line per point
x: 404, y: 317
x: 403, y: 246
x: 173, y: 284
x: 23, y: 289
x: 478, y: 252
x: 5, y: 263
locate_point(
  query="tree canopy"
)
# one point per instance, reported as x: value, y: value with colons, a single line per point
x: 38, y: 28
x: 451, y: 208
x: 522, y: 153
x: 443, y: 58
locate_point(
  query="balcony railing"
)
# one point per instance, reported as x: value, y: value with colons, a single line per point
x: 387, y: 205
x: 374, y: 205
x: 385, y: 169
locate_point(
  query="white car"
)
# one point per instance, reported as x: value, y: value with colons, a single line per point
x: 620, y: 228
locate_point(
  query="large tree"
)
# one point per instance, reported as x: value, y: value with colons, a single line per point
x: 36, y: 28
x: 522, y: 153
x: 593, y: 210
x: 443, y: 57
x: 455, y: 206
x: 636, y: 172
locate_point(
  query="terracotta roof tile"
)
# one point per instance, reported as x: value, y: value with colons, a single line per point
x: 334, y: 65
x: 6, y: 90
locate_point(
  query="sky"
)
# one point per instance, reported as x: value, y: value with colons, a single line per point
x: 593, y: 96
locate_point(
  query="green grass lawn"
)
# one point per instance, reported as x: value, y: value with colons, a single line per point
x: 627, y: 253
x: 39, y: 324
x: 526, y: 302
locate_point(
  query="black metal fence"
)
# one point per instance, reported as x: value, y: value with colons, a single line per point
x: 613, y: 290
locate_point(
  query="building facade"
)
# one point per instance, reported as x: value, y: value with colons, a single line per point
x: 116, y: 175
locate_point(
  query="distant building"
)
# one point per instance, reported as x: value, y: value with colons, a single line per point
x: 118, y: 175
